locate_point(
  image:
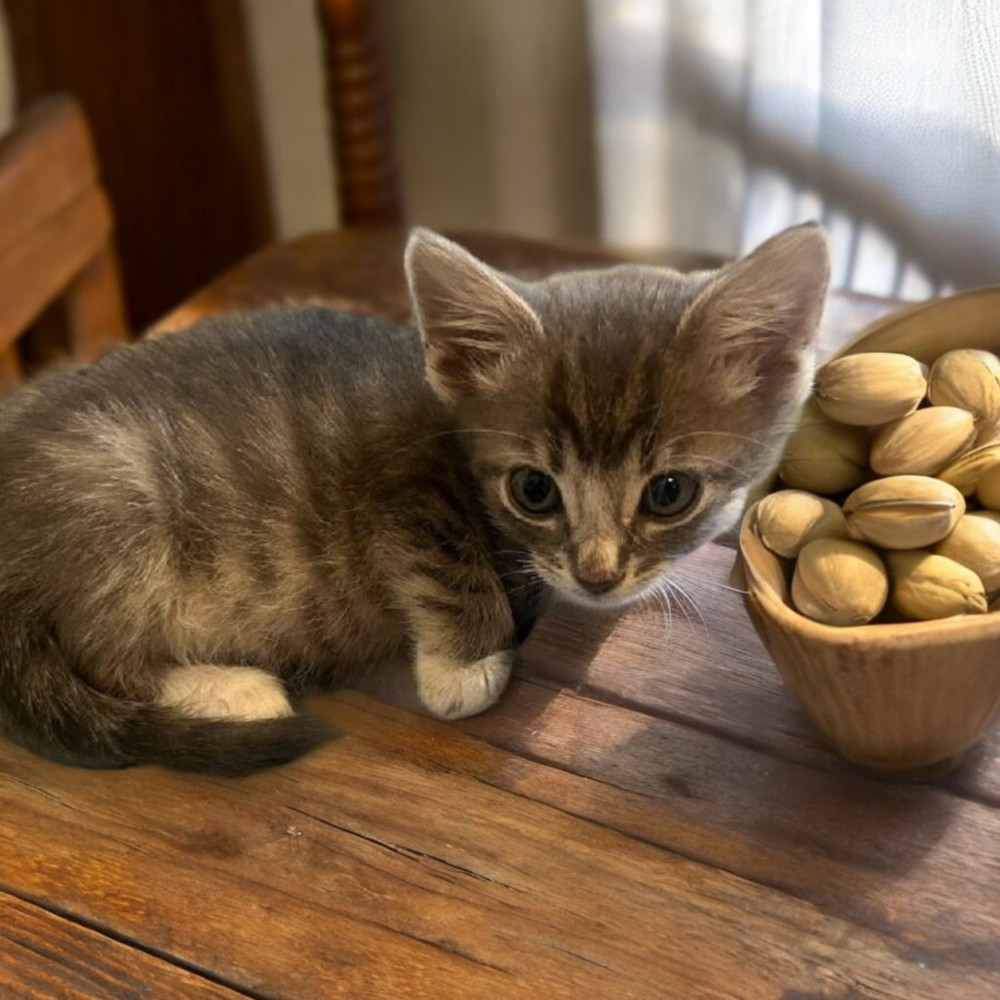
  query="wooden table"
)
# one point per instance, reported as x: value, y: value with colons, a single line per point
x: 646, y: 814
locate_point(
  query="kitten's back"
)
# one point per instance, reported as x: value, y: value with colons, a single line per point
x: 232, y: 457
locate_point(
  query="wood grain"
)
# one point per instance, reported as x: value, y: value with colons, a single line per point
x: 45, y: 164
x: 414, y: 874
x: 912, y: 863
x: 48, y: 258
x: 47, y: 956
x: 188, y: 896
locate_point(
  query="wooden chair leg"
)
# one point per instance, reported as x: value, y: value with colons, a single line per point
x: 95, y: 312
x: 11, y: 370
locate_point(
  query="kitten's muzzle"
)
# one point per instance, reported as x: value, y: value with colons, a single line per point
x: 597, y: 562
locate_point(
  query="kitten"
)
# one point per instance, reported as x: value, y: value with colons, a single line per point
x: 196, y: 529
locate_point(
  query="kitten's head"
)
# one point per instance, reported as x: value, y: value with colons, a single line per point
x: 616, y: 419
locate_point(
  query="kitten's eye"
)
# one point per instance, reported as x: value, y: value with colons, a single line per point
x: 669, y: 494
x: 534, y: 491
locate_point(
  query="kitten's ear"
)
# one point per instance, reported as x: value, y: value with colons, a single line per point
x: 751, y: 328
x: 471, y: 322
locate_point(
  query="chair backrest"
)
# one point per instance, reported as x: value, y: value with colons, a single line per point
x: 358, y: 98
x: 55, y: 238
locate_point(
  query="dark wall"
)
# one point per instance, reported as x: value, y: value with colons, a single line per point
x: 169, y: 93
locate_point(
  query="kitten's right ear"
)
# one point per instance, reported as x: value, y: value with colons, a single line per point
x: 472, y: 323
x: 750, y: 329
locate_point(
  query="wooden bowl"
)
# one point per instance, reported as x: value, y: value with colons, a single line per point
x: 904, y: 699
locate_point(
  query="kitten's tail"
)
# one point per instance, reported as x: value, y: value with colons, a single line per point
x: 47, y: 708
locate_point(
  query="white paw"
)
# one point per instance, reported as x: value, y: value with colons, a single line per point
x: 451, y: 689
x: 213, y: 692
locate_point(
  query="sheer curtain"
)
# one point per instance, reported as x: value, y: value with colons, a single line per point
x: 721, y: 121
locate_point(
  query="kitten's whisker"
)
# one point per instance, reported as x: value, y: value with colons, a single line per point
x: 713, y: 460
x: 677, y: 598
x: 519, y: 553
x: 708, y: 433
x: 479, y: 430
x: 664, y: 605
x: 690, y: 601
x: 774, y: 433
x: 523, y: 587
x: 726, y: 434
x: 669, y: 608
x: 689, y: 607
x: 459, y: 430
x: 668, y: 616
x: 715, y: 585
x: 694, y: 585
x: 518, y: 573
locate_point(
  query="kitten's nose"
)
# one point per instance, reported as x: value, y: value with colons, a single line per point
x: 599, y: 584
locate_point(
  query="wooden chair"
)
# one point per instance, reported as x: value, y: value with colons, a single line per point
x: 56, y: 243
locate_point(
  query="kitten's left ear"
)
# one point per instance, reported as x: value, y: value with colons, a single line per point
x: 472, y: 323
x: 751, y: 328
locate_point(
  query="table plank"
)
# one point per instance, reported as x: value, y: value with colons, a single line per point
x: 393, y: 864
x: 43, y: 955
x: 243, y: 930
x: 913, y: 863
x: 979, y: 775
x: 710, y: 672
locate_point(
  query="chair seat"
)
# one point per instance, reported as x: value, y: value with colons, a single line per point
x: 361, y: 271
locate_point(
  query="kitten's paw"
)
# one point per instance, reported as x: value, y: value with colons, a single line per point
x: 450, y: 689
x: 214, y: 692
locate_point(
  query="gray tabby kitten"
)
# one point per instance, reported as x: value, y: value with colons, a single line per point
x: 196, y: 529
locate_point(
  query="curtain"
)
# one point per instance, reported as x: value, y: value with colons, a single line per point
x: 719, y: 122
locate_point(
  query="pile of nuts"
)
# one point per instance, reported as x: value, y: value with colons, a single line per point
x: 893, y: 494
